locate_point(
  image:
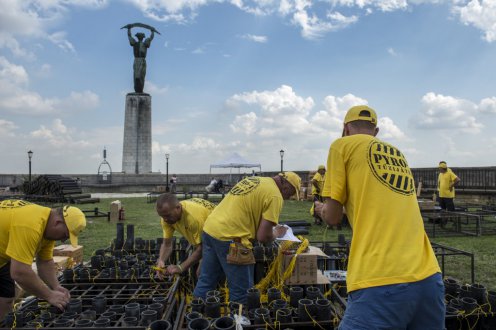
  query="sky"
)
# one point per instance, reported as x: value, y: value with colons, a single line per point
x: 251, y: 77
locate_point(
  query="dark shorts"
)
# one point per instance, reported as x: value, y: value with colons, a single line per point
x: 7, y: 285
x: 414, y: 306
x: 446, y: 204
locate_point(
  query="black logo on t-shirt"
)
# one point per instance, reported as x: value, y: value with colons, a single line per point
x: 390, y: 167
x: 13, y: 203
x: 245, y: 186
x: 203, y: 202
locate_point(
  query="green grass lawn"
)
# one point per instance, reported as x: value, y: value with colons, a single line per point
x: 99, y: 233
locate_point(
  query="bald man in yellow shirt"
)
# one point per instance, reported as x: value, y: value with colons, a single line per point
x: 187, y: 217
x: 29, y: 231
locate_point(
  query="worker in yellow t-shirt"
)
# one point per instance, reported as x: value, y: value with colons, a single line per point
x: 393, y: 277
x: 317, y: 186
x: 29, y: 231
x: 446, y: 182
x: 250, y: 211
x: 187, y: 217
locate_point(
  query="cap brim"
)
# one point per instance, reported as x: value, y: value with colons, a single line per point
x: 74, y: 240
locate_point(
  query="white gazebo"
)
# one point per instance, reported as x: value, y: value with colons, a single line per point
x: 235, y: 161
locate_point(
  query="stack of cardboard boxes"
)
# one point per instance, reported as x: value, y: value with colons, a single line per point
x: 67, y: 250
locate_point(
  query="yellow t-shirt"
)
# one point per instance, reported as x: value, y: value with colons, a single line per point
x: 195, y: 212
x: 22, y: 225
x: 444, y: 181
x: 373, y: 181
x: 238, y: 215
x: 320, y: 182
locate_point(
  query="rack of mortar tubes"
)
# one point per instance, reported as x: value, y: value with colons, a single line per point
x: 116, y: 278
x: 102, y: 305
x: 338, y: 256
x: 304, y: 307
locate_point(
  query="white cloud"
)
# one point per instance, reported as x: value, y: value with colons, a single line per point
x: 480, y: 14
x: 488, y: 105
x: 331, y: 118
x: 313, y: 27
x: 389, y: 131
x: 275, y: 114
x: 199, y: 143
x: 58, y: 136
x: 30, y: 19
x: 153, y: 89
x: 447, y: 112
x: 281, y: 101
x: 16, y: 97
x: 245, y: 124
x: 7, y: 128
x: 59, y: 127
x: 58, y: 38
x: 256, y: 38
x: 9, y: 42
x: 279, y: 111
x: 11, y: 74
x: 170, y: 11
x: 78, y: 101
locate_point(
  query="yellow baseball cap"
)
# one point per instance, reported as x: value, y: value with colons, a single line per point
x: 361, y: 112
x: 321, y: 167
x: 75, y: 220
x: 295, y: 181
x: 443, y: 165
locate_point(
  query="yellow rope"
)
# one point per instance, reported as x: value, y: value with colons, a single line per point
x: 274, y: 277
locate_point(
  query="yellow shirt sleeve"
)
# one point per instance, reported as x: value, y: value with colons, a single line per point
x: 168, y: 230
x: 23, y: 243
x: 335, y: 184
x: 46, y: 250
x: 272, y: 209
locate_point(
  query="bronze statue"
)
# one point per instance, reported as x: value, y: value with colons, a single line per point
x: 140, y: 48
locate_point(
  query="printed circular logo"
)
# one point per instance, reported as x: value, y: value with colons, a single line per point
x: 390, y: 167
x: 9, y: 204
x: 245, y: 186
x: 203, y: 202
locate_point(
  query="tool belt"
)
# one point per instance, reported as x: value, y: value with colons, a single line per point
x: 239, y: 254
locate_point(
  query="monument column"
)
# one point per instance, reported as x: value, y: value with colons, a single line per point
x: 137, y: 148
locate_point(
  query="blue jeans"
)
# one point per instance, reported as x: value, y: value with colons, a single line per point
x: 214, y: 265
x: 413, y: 306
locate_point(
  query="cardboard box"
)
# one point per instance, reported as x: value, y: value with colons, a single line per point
x: 115, y: 207
x: 305, y: 270
x: 66, y: 250
x: 61, y: 263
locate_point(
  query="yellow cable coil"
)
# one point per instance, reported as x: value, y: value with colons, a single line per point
x: 274, y: 278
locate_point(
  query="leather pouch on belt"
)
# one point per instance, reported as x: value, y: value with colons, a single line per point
x: 240, y: 255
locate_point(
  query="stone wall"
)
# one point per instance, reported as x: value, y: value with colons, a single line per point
x: 476, y: 181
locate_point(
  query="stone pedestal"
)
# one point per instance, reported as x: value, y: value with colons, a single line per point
x: 137, y: 149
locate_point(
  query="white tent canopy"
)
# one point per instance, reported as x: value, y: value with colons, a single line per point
x: 235, y: 161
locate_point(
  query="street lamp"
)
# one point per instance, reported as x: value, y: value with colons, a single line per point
x: 282, y: 156
x: 167, y: 172
x: 30, y: 155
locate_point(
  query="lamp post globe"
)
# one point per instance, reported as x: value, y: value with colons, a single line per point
x: 281, y: 152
